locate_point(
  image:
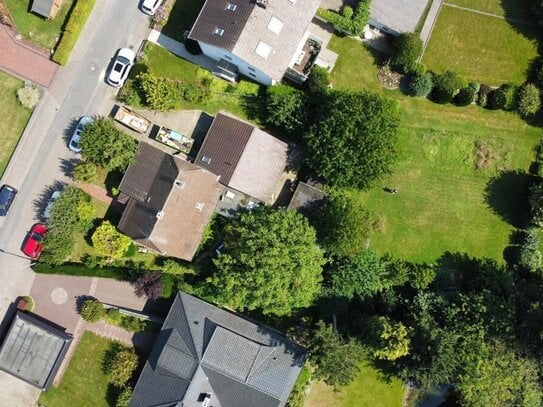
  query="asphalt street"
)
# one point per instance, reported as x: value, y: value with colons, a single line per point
x: 40, y: 162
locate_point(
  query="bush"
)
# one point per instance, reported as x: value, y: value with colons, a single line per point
x: 130, y: 93
x: 502, y: 98
x: 528, y: 99
x: 124, y: 397
x: 529, y: 259
x: 149, y: 284
x: 29, y: 96
x: 76, y: 22
x: 317, y: 82
x: 482, y: 99
x: 92, y: 310
x: 166, y: 94
x: 132, y: 324
x: 85, y: 171
x: 420, y: 84
x: 286, y: 108
x: 163, y: 12
x: 297, y: 397
x: 464, y: 97
x: 83, y: 270
x: 168, y: 282
x: 446, y: 85
x: 123, y: 366
x: 109, y: 242
x: 405, y: 52
x: 348, y: 20
x: 114, y: 316
x: 475, y: 86
x: 510, y: 95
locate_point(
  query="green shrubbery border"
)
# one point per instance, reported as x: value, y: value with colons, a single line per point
x: 78, y: 17
x: 79, y: 269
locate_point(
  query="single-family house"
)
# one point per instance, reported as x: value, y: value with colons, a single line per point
x: 33, y: 350
x: 169, y: 202
x: 246, y: 159
x: 205, y: 356
x: 261, y: 39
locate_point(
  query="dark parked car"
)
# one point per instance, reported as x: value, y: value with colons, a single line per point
x: 7, y: 195
x: 33, y: 245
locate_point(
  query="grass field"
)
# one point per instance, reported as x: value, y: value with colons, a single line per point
x: 368, y: 389
x: 34, y: 28
x: 84, y: 383
x: 515, y: 9
x: 441, y: 201
x: 10, y: 130
x: 480, y: 48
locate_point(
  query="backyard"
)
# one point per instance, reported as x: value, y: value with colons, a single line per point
x: 36, y: 29
x: 11, y: 129
x: 367, y: 389
x: 479, y: 47
x: 447, y: 157
x: 84, y: 383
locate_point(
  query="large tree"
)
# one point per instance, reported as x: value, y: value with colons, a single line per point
x: 271, y: 262
x: 353, y: 140
x: 105, y: 145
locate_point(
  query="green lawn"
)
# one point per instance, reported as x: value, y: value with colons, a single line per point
x: 83, y: 384
x: 37, y: 29
x: 517, y: 9
x: 480, y: 48
x: 368, y: 389
x: 182, y: 17
x: 440, y: 205
x: 11, y: 129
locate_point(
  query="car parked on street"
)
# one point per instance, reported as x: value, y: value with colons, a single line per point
x: 50, y: 203
x: 121, y: 67
x: 76, y: 137
x: 7, y: 195
x: 33, y: 243
x: 150, y: 6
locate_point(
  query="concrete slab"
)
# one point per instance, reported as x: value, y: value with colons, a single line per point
x: 16, y: 393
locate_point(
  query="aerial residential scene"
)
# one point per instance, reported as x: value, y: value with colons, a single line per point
x: 271, y: 203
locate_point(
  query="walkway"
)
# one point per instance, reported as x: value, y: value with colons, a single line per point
x: 23, y: 61
x: 96, y: 192
x: 429, y: 24
x: 177, y: 48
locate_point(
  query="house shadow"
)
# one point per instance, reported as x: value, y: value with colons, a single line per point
x: 507, y: 196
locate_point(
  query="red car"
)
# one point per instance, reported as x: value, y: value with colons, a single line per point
x: 33, y: 245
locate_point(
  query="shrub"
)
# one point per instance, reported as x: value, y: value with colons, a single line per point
x: 510, y: 96
x: 529, y: 259
x: 475, y: 86
x: 130, y: 93
x: 124, y: 397
x: 29, y: 96
x: 83, y: 270
x: 170, y: 266
x: 149, y: 284
x: 317, y: 82
x: 162, y: 13
x: 132, y: 324
x: 482, y: 99
x: 286, y: 108
x: 165, y: 94
x: 92, y: 310
x: 496, y: 99
x: 114, y: 316
x: 420, y: 84
x: 168, y: 282
x: 85, y: 171
x: 348, y: 20
x: 78, y: 17
x: 123, y: 366
x: 405, y: 52
x: 446, y: 85
x: 297, y: 397
x: 464, y: 97
x: 528, y: 99
x: 109, y: 242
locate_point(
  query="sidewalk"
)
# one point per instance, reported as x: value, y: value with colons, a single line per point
x: 23, y: 61
x: 429, y: 24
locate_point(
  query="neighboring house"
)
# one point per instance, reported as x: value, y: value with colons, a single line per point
x: 261, y: 39
x: 46, y: 8
x: 33, y: 350
x: 246, y: 159
x: 396, y: 16
x: 169, y: 202
x: 206, y: 356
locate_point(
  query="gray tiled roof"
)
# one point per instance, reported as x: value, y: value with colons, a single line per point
x: 241, y: 363
x: 245, y: 27
x: 42, y: 7
x: 33, y: 350
x: 400, y: 15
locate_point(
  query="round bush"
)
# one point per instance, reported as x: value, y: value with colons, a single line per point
x: 510, y: 94
x: 92, y: 310
x: 317, y: 82
x: 405, y: 52
x: 85, y: 172
x: 446, y: 85
x: 496, y: 99
x: 475, y: 86
x: 483, y: 95
x: 420, y: 84
x: 464, y: 97
x: 29, y: 96
x: 529, y: 100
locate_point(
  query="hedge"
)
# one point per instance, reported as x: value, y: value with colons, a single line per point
x: 78, y: 17
x: 79, y: 269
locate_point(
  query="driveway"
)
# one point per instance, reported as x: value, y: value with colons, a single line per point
x: 42, y: 157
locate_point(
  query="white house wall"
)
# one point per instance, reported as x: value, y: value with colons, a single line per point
x: 244, y: 68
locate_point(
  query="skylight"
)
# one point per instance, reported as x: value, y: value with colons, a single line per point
x: 231, y: 7
x: 263, y: 49
x: 275, y: 25
x: 218, y: 31
x: 206, y: 159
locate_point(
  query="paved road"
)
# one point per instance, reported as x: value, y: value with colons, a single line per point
x: 77, y: 89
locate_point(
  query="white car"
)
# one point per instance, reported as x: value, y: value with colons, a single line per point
x: 150, y: 6
x: 76, y: 137
x: 50, y: 203
x: 121, y: 67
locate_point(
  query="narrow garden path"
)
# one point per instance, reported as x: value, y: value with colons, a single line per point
x: 96, y: 192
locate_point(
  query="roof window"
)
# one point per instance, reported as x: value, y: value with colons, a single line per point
x: 263, y: 49
x: 179, y: 183
x: 160, y: 215
x: 199, y: 205
x: 275, y: 25
x: 206, y: 159
x: 218, y: 31
x: 231, y: 7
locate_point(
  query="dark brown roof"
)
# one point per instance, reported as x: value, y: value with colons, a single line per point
x: 214, y: 14
x: 223, y: 146
x: 170, y: 202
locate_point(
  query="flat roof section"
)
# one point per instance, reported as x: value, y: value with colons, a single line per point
x: 33, y: 350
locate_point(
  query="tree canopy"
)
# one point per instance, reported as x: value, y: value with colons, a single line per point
x: 109, y: 242
x: 105, y: 145
x: 353, y: 140
x: 271, y: 262
x: 405, y: 51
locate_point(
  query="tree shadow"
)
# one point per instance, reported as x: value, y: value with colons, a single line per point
x: 40, y: 203
x: 507, y: 196
x: 67, y: 165
x: 520, y: 17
